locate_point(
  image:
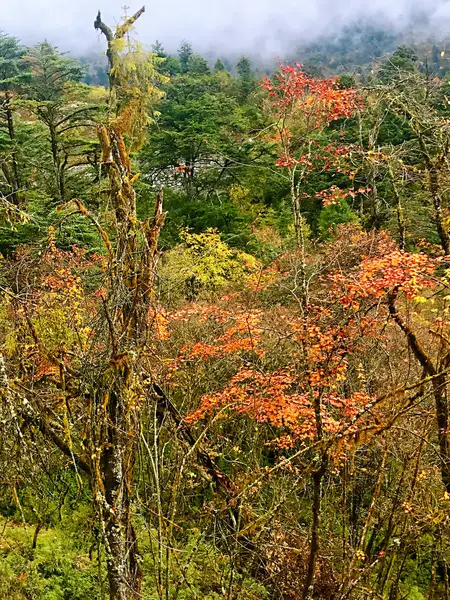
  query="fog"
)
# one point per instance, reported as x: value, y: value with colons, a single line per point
x: 265, y: 27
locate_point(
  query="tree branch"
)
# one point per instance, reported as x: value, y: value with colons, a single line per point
x: 218, y: 476
x: 107, y: 32
x: 413, y: 342
x: 123, y: 29
x: 49, y: 433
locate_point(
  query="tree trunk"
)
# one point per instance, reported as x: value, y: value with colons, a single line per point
x: 441, y: 407
x: 400, y: 213
x: 132, y: 263
x: 132, y: 271
x: 124, y: 573
x: 439, y: 384
x: 318, y: 476
x: 57, y: 163
x: 433, y: 180
x: 15, y: 167
x: 314, y: 548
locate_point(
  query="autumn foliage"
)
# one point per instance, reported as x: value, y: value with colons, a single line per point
x: 259, y: 412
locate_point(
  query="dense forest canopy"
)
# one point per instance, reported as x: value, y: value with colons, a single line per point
x: 224, y: 315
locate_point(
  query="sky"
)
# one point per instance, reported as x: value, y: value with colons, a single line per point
x: 266, y: 27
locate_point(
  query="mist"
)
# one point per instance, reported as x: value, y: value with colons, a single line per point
x: 264, y: 27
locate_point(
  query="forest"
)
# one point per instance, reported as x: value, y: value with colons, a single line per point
x: 224, y: 323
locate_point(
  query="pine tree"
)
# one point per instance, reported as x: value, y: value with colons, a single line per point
x: 184, y: 54
x: 158, y: 49
x: 13, y: 75
x: 246, y: 77
x: 197, y: 65
x: 219, y: 66
x: 60, y: 106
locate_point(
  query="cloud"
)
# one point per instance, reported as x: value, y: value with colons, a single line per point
x: 267, y: 27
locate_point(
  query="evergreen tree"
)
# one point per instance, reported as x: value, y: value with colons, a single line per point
x: 244, y: 68
x: 51, y: 71
x: 60, y: 103
x: 13, y: 75
x: 219, y: 66
x: 246, y: 77
x: 158, y: 49
x: 435, y: 55
x: 170, y: 65
x: 197, y: 65
x: 184, y: 54
x: 403, y: 61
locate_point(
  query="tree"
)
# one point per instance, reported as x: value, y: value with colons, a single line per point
x: 101, y: 441
x: 62, y: 105
x: 51, y: 71
x: 259, y: 408
x: 199, y: 123
x: 333, y: 214
x: 13, y: 75
x: 170, y: 65
x: 403, y: 276
x: 219, y: 66
x: 246, y: 77
x: 291, y: 374
x: 158, y: 49
x: 407, y: 132
x: 184, y: 54
x: 303, y: 109
x: 197, y: 65
x: 403, y: 60
x: 435, y: 56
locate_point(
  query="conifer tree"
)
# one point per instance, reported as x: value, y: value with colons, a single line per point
x: 219, y: 66
x: 14, y: 73
x: 184, y: 54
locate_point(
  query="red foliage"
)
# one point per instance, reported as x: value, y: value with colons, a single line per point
x: 319, y: 348
x: 285, y: 398
x: 376, y: 276
x: 277, y: 399
x: 303, y: 107
x: 320, y: 100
